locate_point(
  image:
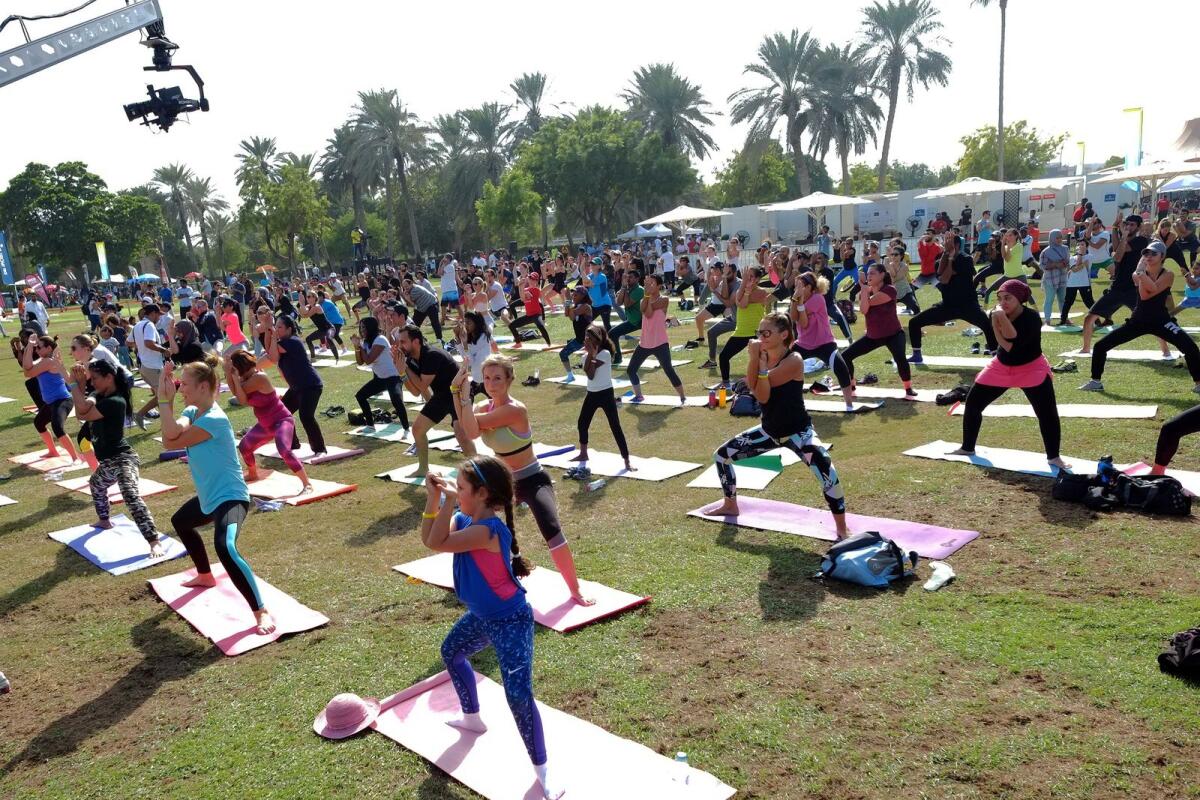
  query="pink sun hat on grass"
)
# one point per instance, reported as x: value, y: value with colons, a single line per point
x: 345, y: 715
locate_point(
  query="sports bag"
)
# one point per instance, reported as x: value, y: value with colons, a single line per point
x: 868, y: 559
x: 745, y: 405
x: 847, y: 309
x: 1181, y: 656
x: 1154, y: 494
x: 1073, y: 486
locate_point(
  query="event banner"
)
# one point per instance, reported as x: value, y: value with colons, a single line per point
x: 6, y: 270
x: 102, y: 258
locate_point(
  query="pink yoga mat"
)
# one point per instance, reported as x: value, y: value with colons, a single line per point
x: 544, y: 589
x: 587, y: 761
x: 286, y: 487
x: 306, y: 456
x: 929, y: 541
x: 36, y: 461
x: 222, y: 615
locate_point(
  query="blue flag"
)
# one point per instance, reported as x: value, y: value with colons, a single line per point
x: 6, y: 272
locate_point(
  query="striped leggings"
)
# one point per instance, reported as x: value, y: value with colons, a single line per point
x: 122, y: 469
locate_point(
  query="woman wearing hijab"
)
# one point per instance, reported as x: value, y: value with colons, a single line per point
x: 1055, y: 265
x: 184, y: 343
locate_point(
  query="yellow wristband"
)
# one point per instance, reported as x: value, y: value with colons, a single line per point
x: 454, y: 390
x: 427, y: 515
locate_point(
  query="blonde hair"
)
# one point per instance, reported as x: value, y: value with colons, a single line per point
x: 204, y: 371
x: 504, y: 362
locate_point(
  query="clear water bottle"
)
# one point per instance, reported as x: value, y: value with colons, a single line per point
x: 5, y: 686
x: 597, y: 485
x: 54, y: 475
x: 683, y: 771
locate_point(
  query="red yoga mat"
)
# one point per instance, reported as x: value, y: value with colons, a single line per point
x: 586, y: 760
x: 222, y: 615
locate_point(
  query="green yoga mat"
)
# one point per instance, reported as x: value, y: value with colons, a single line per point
x: 773, y: 463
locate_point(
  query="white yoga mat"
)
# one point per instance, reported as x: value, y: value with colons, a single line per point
x: 886, y: 393
x: 611, y: 465
x: 1001, y: 458
x: 751, y: 478
x: 407, y: 474
x: 531, y: 347
x: 668, y: 400
x: 1068, y: 410
x: 6, y: 400
x: 581, y: 382
x: 954, y: 361
x: 5, y: 500
x: 119, y: 549
x: 329, y: 363
x: 390, y: 432
x: 1129, y: 355
x: 839, y: 406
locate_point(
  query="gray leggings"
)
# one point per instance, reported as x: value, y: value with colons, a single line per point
x: 724, y: 326
x: 662, y: 353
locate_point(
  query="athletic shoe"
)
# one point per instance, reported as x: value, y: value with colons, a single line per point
x: 870, y: 379
x: 570, y: 378
x: 916, y: 358
x: 1092, y: 386
x: 1063, y: 367
x: 975, y: 348
x: 140, y: 421
x: 709, y: 364
x: 910, y: 394
x: 690, y: 344
x: 819, y: 387
x: 1168, y: 357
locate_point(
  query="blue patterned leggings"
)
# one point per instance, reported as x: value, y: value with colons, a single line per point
x: 512, y: 638
x: 756, y: 441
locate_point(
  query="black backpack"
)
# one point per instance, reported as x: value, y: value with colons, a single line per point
x: 744, y: 404
x: 1181, y: 656
x: 1074, y: 487
x: 1153, y: 494
x: 847, y: 309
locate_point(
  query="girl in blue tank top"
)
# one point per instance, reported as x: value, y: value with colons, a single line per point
x: 42, y: 362
x: 487, y: 564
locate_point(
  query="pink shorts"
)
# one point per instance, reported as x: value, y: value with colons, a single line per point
x: 1025, y: 376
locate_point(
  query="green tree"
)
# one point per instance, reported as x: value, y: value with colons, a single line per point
x: 864, y: 181
x: 295, y: 208
x: 597, y: 161
x: 55, y: 215
x: 1028, y: 152
x: 903, y: 37
x: 346, y: 169
x: 337, y: 236
x: 1001, y: 131
x: 784, y: 63
x: 844, y: 113
x: 173, y: 178
x: 750, y: 178
x: 507, y: 211
x: 134, y: 227
x: 257, y: 168
x: 231, y: 253
x: 1114, y: 161
x: 668, y: 104
x: 920, y: 176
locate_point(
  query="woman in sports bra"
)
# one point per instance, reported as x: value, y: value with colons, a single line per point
x: 502, y: 423
x: 253, y: 388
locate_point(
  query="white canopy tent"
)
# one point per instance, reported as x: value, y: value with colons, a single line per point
x: 969, y: 186
x: 1154, y: 175
x: 816, y: 204
x: 1054, y: 184
x: 683, y: 217
x: 1184, y: 183
x: 639, y: 232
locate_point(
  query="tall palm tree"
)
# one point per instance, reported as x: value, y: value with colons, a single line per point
x: 784, y: 62
x: 462, y: 173
x: 174, y: 178
x: 221, y: 227
x: 670, y: 105
x: 1000, y: 114
x: 200, y: 199
x: 530, y: 90
x: 489, y: 137
x: 305, y: 161
x: 258, y: 155
x: 902, y: 36
x: 845, y: 113
x: 387, y: 127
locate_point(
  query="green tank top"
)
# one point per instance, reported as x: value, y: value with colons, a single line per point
x: 1013, y: 268
x: 748, y: 319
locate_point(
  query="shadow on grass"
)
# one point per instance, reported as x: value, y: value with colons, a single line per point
x: 406, y: 520
x: 60, y: 503
x: 1054, y: 512
x: 787, y: 593
x: 67, y: 564
x: 166, y: 657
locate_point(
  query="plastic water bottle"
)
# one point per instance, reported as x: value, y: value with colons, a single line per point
x: 712, y: 398
x: 597, y: 485
x: 54, y: 475
x: 683, y: 771
x: 1105, y: 470
x: 5, y: 686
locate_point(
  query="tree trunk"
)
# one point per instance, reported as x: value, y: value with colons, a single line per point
x: 408, y: 207
x: 545, y: 227
x: 360, y: 214
x: 391, y: 209
x: 204, y: 241
x: 893, y: 98
x: 1000, y: 120
x: 846, y: 170
x: 291, y: 252
x: 187, y: 235
x: 802, y: 175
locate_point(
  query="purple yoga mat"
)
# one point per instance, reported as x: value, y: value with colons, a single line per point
x: 930, y: 541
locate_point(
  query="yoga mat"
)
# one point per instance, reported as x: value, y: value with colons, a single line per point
x: 839, y: 406
x: 390, y: 432
x: 1001, y: 458
x: 545, y: 590
x: 146, y: 488
x: 119, y: 549
x: 7, y: 399
x: 286, y: 487
x: 531, y: 347
x: 884, y: 393
x: 587, y: 761
x: 648, y: 364
x: 667, y: 400
x: 451, y: 445
x: 930, y: 541
x: 5, y: 500
x: 408, y: 397
x: 35, y: 461
x: 580, y: 382
x: 953, y: 361
x: 33, y: 410
x: 407, y: 474
x: 222, y: 615
x: 331, y: 364
x: 611, y: 465
x: 1062, y: 329
x: 1128, y: 355
x: 1190, y: 480
x: 306, y: 455
x: 1068, y: 410
x: 748, y: 477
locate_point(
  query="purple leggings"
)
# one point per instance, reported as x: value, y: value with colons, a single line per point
x: 257, y: 436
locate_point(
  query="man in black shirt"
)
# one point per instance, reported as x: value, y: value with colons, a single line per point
x: 1128, y: 245
x: 956, y: 282
x: 430, y: 369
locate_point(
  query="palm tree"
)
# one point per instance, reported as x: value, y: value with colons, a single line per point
x: 462, y: 173
x: 845, y: 113
x: 346, y: 168
x: 258, y: 155
x: 388, y: 128
x: 670, y: 105
x: 489, y: 137
x: 198, y: 194
x: 174, y: 178
x: 902, y: 36
x: 1000, y: 115
x: 220, y: 226
x: 784, y: 62
x: 530, y: 90
x: 305, y: 161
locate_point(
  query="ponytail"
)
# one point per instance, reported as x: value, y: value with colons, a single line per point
x: 520, y: 564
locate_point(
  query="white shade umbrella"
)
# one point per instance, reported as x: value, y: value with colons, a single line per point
x: 1154, y: 175
x: 1183, y: 183
x: 683, y: 216
x: 969, y: 186
x: 1056, y: 184
x: 816, y: 204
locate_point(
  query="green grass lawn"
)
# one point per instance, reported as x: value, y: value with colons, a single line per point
x: 1032, y: 676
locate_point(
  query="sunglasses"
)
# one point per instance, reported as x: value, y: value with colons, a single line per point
x: 763, y: 333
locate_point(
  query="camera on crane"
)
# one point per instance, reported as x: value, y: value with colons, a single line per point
x: 165, y: 105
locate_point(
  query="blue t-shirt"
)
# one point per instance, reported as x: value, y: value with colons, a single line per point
x: 825, y: 245
x: 470, y: 583
x: 330, y: 310
x: 164, y: 293
x: 52, y: 387
x: 214, y: 463
x: 985, y: 232
x: 599, y: 290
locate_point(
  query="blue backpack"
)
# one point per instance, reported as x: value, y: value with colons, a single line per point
x: 867, y: 559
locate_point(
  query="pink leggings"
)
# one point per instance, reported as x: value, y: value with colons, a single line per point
x: 257, y: 436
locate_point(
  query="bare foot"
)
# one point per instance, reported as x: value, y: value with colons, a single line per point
x: 305, y: 489
x: 156, y: 550
x: 203, y: 580
x: 726, y: 508
x: 583, y: 456
x: 266, y: 625
x: 961, y: 452
x: 583, y: 600
x: 102, y: 524
x: 1058, y: 462
x: 471, y: 723
x: 630, y: 467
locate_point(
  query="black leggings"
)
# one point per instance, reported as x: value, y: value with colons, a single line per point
x: 662, y: 353
x: 35, y: 391
x: 227, y: 519
x: 1169, y: 330
x: 733, y: 346
x: 606, y: 400
x: 910, y: 302
x: 895, y: 344
x: 1041, y: 397
x: 321, y: 335
x: 537, y: 492
x: 940, y: 313
x: 603, y: 313
x: 828, y: 353
x: 987, y: 272
x: 837, y: 316
x: 374, y: 387
x: 303, y: 403
x: 1000, y: 282
x: 53, y: 415
x: 1183, y: 424
x: 430, y: 314
x: 1083, y: 291
x: 529, y: 319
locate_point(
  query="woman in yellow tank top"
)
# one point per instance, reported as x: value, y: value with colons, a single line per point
x: 751, y: 300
